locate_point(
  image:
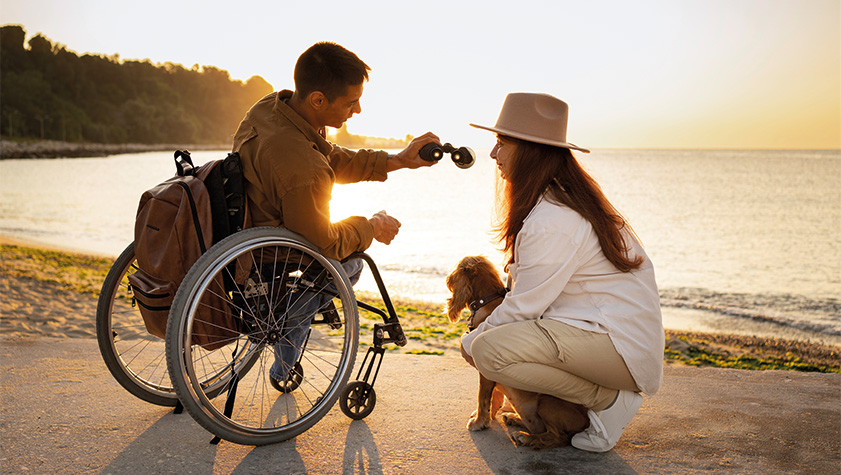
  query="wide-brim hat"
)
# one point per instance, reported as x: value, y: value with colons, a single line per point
x: 535, y: 117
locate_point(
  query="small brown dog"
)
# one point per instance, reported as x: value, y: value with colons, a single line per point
x: 550, y: 422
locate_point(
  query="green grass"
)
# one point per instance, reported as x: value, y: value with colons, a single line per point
x: 698, y: 355
x: 424, y: 322
x: 72, y: 272
x: 425, y: 352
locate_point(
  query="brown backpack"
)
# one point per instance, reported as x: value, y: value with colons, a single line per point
x: 177, y: 221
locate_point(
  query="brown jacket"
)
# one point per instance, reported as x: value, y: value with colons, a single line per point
x: 290, y: 168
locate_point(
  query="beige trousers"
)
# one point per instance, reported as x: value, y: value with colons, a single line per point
x: 550, y: 357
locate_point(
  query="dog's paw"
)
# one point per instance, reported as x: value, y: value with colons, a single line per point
x: 521, y: 439
x: 477, y: 422
x: 512, y: 419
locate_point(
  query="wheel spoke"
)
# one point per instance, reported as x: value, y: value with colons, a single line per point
x: 278, y: 285
x: 135, y: 358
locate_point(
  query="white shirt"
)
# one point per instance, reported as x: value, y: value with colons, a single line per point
x: 560, y: 272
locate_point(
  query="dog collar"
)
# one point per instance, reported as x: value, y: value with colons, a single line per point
x: 475, y: 305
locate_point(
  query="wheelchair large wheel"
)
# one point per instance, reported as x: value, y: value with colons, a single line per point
x: 295, y: 307
x: 135, y: 358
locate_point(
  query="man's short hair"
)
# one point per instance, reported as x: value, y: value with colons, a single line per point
x: 329, y: 68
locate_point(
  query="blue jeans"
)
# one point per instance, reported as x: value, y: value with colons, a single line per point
x: 298, y: 321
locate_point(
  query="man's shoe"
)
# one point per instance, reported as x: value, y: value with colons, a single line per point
x: 606, y: 426
x: 331, y: 316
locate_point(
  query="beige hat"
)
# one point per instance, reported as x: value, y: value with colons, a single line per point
x: 534, y: 117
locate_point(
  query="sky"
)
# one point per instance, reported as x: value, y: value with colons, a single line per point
x: 648, y: 73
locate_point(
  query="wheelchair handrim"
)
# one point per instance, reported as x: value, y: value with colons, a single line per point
x: 185, y: 335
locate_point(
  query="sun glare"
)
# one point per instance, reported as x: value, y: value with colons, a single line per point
x: 695, y: 73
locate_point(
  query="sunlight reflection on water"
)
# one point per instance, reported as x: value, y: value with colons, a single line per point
x: 741, y: 221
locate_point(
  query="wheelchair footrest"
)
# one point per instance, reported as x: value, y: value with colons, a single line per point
x: 385, y: 333
x: 330, y: 316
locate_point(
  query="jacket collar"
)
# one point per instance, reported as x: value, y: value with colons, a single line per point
x: 316, y: 136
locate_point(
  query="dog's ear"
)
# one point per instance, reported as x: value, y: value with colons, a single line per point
x: 459, y: 285
x: 486, y: 275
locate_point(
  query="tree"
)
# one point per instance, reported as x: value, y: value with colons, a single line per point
x: 49, y: 91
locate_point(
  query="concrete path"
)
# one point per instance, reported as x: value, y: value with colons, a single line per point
x: 62, y: 412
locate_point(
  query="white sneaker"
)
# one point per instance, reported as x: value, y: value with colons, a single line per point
x: 606, y: 426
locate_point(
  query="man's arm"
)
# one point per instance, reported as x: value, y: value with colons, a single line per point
x: 351, y: 166
x: 306, y: 211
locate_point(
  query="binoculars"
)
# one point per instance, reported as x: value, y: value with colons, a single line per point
x: 463, y: 157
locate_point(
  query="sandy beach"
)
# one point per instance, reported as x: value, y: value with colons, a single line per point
x: 708, y: 418
x: 50, y: 292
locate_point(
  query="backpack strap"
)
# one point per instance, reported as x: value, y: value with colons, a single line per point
x: 211, y: 174
x: 184, y: 163
x: 234, y: 191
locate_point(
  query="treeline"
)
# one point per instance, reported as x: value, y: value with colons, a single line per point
x: 346, y: 139
x: 49, y: 92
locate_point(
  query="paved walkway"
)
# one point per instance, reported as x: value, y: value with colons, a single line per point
x: 62, y: 412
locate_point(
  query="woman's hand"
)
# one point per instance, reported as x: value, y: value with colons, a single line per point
x: 466, y: 357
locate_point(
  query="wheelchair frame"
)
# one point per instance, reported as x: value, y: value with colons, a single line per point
x: 261, y: 419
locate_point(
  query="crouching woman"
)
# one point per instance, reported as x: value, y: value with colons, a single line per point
x: 582, y: 320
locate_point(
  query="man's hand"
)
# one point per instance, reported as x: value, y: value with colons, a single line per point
x: 385, y: 227
x: 408, y: 157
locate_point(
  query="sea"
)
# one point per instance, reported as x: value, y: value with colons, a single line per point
x: 743, y: 241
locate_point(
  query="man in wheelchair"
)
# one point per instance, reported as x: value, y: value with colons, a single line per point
x: 290, y: 168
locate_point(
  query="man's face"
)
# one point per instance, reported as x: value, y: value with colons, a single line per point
x: 336, y: 112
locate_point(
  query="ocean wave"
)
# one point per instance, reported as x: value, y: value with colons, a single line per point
x: 820, y: 315
x: 32, y: 232
x: 423, y: 270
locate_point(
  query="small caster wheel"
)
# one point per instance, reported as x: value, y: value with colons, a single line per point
x: 357, y: 400
x: 292, y: 382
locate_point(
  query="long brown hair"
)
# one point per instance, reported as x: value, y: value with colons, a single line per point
x: 539, y: 168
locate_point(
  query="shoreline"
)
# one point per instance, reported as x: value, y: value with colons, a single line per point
x: 51, y: 292
x: 36, y: 148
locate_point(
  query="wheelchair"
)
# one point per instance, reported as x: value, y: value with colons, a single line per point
x: 277, y: 360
